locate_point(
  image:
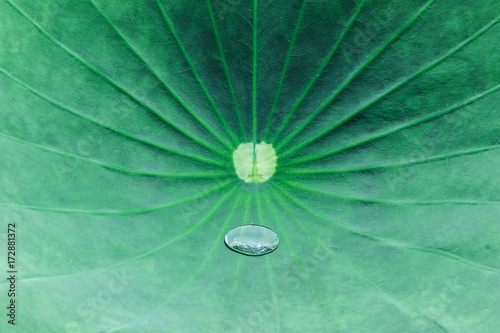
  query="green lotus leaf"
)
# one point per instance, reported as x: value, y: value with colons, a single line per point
x: 119, y: 121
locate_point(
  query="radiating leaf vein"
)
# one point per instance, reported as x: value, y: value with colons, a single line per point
x: 198, y: 271
x: 136, y: 211
x: 388, y: 91
x: 385, y: 241
x: 119, y: 87
x: 61, y: 106
x: 153, y: 71
x: 320, y: 71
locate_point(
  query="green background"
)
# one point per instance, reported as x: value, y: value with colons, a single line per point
x: 118, y: 120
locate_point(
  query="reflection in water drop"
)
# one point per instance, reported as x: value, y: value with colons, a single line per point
x: 253, y: 240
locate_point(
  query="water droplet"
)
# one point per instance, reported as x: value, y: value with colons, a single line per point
x: 253, y: 240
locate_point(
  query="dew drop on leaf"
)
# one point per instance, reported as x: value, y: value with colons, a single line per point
x: 253, y: 240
